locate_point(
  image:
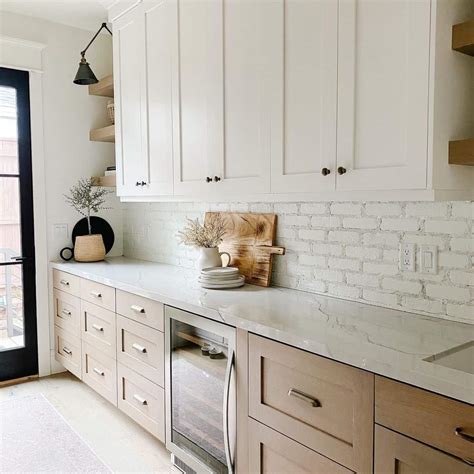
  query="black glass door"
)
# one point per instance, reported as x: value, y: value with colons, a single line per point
x: 18, y: 340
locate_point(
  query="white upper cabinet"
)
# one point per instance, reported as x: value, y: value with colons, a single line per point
x: 198, y: 138
x: 144, y: 39
x: 250, y: 35
x: 304, y: 147
x: 130, y: 121
x: 383, y: 94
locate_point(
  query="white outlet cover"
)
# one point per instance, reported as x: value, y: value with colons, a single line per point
x: 407, y: 257
x: 428, y: 259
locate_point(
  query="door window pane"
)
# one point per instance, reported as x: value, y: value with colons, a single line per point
x: 8, y: 131
x: 10, y: 230
x: 11, y: 307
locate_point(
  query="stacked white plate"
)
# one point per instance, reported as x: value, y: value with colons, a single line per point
x: 221, y: 278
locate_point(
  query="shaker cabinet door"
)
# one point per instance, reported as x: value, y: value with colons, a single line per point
x: 160, y: 30
x: 304, y: 130
x: 198, y: 110
x: 130, y: 117
x: 383, y: 89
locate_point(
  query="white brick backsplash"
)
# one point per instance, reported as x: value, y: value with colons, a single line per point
x: 452, y: 293
x: 463, y: 210
x: 313, y: 208
x: 462, y: 278
x: 344, y: 249
x: 427, y: 209
x: 346, y: 208
x: 368, y: 253
x: 383, y: 209
x: 450, y: 227
x: 311, y: 234
x: 326, y: 221
x: 401, y: 224
x: 344, y: 236
x: 359, y: 223
x: 412, y: 287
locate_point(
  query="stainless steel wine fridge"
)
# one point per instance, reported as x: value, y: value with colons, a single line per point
x: 200, y: 393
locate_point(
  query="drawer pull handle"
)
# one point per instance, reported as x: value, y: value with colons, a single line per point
x: 98, y: 328
x: 64, y: 282
x: 460, y: 432
x: 66, y: 312
x: 67, y: 351
x: 140, y: 400
x: 302, y: 396
x: 139, y: 348
x: 137, y: 309
x: 99, y: 372
x: 96, y: 294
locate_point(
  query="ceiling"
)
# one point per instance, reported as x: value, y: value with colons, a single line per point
x: 85, y: 14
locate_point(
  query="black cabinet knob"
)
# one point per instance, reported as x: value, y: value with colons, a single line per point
x: 137, y: 183
x: 208, y: 179
x: 143, y: 183
x: 216, y: 179
x: 325, y: 171
x: 341, y: 170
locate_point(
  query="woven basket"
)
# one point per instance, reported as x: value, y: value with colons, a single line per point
x: 111, y: 112
x: 89, y: 248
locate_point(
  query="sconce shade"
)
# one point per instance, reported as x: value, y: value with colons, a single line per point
x: 84, y: 75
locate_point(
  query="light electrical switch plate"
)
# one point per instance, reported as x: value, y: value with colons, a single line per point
x: 60, y: 232
x: 407, y: 257
x: 429, y: 259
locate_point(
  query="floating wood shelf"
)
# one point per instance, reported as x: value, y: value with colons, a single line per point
x: 104, y: 134
x: 104, y: 88
x: 463, y: 37
x: 105, y: 181
x: 461, y: 152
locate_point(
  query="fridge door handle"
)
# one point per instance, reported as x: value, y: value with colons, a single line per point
x: 228, y: 377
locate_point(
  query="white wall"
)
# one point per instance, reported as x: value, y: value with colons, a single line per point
x: 68, y: 114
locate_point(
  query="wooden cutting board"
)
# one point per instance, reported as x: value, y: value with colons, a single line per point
x: 249, y: 240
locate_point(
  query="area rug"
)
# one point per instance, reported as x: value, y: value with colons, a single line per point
x: 34, y: 437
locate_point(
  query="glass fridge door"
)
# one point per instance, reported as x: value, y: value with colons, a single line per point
x: 200, y: 368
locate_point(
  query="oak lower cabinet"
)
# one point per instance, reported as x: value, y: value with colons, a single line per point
x: 398, y: 454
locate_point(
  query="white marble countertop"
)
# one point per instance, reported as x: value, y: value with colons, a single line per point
x: 384, y: 341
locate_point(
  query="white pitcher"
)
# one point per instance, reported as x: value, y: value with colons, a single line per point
x: 211, y: 257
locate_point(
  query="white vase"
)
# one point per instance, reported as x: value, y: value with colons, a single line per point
x: 211, y: 257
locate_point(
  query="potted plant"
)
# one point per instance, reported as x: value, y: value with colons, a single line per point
x: 206, y: 237
x: 85, y: 199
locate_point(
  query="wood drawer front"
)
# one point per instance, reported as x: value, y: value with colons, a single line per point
x: 341, y: 428
x: 425, y: 416
x: 98, y: 328
x: 141, y: 348
x: 67, y: 312
x: 397, y: 454
x: 66, y: 282
x: 96, y: 293
x: 99, y: 372
x: 141, y: 400
x: 67, y: 351
x: 271, y: 452
x: 140, y: 309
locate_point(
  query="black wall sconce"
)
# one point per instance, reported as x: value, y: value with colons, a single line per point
x: 84, y: 75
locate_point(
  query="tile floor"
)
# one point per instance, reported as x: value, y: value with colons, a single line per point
x: 121, y: 444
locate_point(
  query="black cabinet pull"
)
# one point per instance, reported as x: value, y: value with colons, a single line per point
x: 143, y: 183
x: 216, y: 179
x: 325, y: 171
x: 341, y: 170
x: 208, y: 179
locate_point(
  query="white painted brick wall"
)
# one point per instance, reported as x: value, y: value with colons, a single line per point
x: 348, y: 250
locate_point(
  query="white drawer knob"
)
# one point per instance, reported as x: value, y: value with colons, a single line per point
x: 98, y: 328
x: 98, y: 371
x: 96, y: 294
x: 64, y: 282
x: 139, y: 348
x: 137, y: 309
x: 140, y: 400
x: 66, y: 312
x: 67, y: 351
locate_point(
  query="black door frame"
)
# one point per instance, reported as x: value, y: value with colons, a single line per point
x: 23, y: 361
